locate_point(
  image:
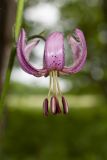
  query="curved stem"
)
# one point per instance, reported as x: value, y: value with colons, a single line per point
x: 37, y: 36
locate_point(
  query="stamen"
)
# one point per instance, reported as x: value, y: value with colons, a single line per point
x: 58, y: 109
x: 54, y: 84
x: 58, y: 87
x: 65, y: 105
x: 54, y: 102
x: 45, y: 107
x: 53, y: 105
x: 50, y: 84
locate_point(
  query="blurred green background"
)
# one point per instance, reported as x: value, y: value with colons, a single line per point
x: 82, y: 134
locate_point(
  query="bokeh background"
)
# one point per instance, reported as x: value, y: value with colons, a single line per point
x: 80, y: 135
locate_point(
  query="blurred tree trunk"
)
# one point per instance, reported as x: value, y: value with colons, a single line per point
x: 104, y: 7
x: 7, y: 18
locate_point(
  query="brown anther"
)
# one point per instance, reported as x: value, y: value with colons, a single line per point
x: 65, y: 105
x: 45, y: 107
x: 58, y: 109
x: 53, y: 105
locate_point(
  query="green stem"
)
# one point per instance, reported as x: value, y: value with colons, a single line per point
x: 7, y: 79
x: 37, y: 36
x: 19, y: 15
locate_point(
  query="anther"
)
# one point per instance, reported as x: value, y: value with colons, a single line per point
x: 65, y: 105
x: 45, y: 107
x: 53, y: 105
x: 58, y: 109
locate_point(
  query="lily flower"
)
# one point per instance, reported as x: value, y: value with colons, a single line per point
x: 53, y: 64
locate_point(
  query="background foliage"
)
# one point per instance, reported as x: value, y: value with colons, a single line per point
x: 81, y: 135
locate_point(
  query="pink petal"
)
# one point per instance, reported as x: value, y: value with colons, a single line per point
x: 29, y: 47
x: 79, y: 51
x: 54, y: 52
x: 23, y: 51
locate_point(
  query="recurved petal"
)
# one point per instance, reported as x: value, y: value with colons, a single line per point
x: 29, y: 47
x: 54, y: 51
x: 79, y: 51
x: 23, y: 51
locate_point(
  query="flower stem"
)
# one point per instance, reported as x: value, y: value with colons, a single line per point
x: 19, y: 13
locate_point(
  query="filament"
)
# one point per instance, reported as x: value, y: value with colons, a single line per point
x: 54, y: 83
x: 58, y: 86
x: 50, y: 84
